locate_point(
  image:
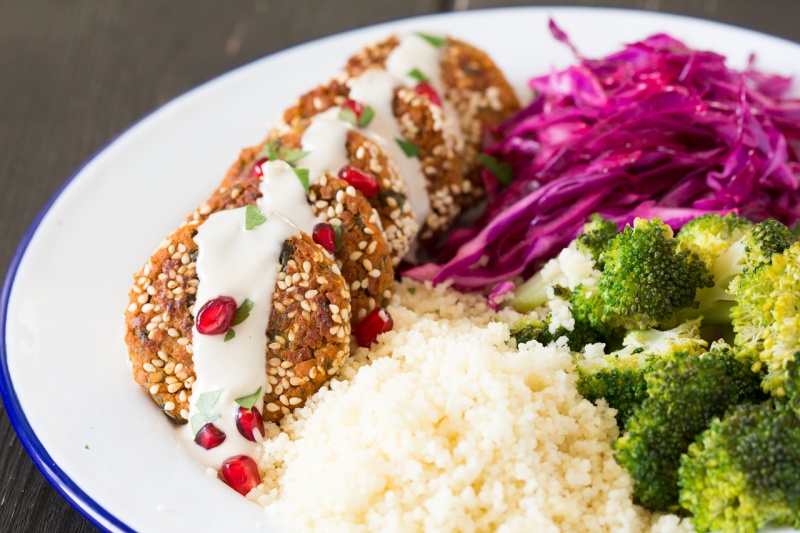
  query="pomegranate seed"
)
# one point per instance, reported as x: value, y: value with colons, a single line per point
x: 325, y: 236
x: 361, y: 180
x: 215, y: 317
x: 209, y: 436
x: 240, y: 473
x: 353, y: 106
x: 247, y: 421
x: 426, y: 89
x: 257, y: 170
x: 377, y: 322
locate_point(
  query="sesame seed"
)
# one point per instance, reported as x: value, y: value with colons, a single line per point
x: 284, y: 400
x: 174, y: 387
x: 172, y: 332
x: 154, y: 389
x: 271, y: 407
x: 169, y: 406
x: 148, y: 367
x: 294, y: 401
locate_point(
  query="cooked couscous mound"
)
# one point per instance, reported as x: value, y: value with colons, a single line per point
x: 442, y: 426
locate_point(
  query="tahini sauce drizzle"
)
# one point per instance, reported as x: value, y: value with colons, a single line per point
x: 240, y: 263
x: 326, y: 136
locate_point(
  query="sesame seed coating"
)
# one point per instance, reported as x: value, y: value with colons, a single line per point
x: 475, y: 87
x: 159, y: 329
x: 391, y: 204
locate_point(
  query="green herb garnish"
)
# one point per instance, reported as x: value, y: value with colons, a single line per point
x: 242, y: 312
x: 366, y: 117
x: 249, y: 401
x: 272, y: 152
x: 349, y: 116
x: 229, y: 335
x: 438, y: 42
x: 417, y: 75
x: 337, y: 233
x: 302, y: 175
x: 253, y: 216
x: 412, y: 290
x: 503, y: 172
x: 205, y: 403
x: 410, y: 149
x: 291, y: 156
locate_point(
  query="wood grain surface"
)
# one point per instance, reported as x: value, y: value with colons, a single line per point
x: 74, y: 73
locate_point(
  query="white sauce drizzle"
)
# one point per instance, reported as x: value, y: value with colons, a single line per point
x: 325, y: 140
x: 242, y: 264
x: 281, y: 191
x: 375, y: 88
x: 414, y: 52
x: 326, y: 136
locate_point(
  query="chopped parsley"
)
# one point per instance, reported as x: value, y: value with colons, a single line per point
x: 249, y: 401
x: 438, y: 42
x: 410, y: 149
x: 503, y: 172
x: 418, y: 75
x: 290, y: 155
x: 205, y: 403
x: 242, y: 312
x: 302, y: 175
x: 253, y: 216
x: 362, y: 121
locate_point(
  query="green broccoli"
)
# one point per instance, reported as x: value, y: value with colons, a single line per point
x: 713, y: 234
x: 683, y: 395
x: 743, y: 472
x: 530, y: 329
x: 619, y: 377
x: 597, y: 233
x: 754, y: 247
x: 648, y: 277
x: 766, y: 317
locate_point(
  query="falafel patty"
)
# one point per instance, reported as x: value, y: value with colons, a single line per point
x: 307, y: 336
x: 473, y: 85
x: 362, y: 254
x: 421, y: 122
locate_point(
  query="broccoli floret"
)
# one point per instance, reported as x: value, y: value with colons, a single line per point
x: 754, y: 248
x: 619, y: 376
x: 532, y: 329
x: 649, y: 276
x: 766, y: 317
x: 683, y: 396
x: 712, y: 234
x: 743, y: 472
x: 597, y: 233
x: 587, y: 308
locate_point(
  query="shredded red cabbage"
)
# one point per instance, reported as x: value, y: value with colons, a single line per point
x: 656, y: 130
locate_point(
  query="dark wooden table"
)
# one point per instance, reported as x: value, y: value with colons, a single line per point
x: 73, y: 73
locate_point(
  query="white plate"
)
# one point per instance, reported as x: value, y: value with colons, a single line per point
x: 64, y: 378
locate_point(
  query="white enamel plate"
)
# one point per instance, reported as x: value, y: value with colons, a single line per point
x: 63, y: 366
